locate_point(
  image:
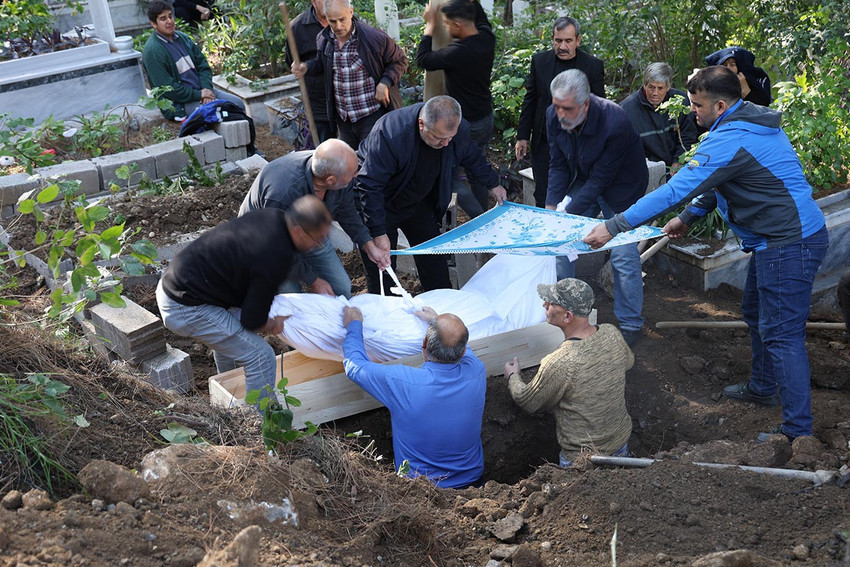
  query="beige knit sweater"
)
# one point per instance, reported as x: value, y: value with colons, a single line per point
x: 584, y: 383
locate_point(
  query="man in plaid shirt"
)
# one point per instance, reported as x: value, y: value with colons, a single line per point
x: 362, y: 66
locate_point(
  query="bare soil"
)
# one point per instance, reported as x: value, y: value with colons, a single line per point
x: 355, y: 511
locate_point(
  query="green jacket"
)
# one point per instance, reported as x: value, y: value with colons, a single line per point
x: 162, y: 71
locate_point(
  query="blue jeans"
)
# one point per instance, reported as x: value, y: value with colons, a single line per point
x: 621, y: 452
x: 628, y: 280
x: 222, y: 331
x: 327, y: 265
x: 775, y: 306
x: 474, y: 199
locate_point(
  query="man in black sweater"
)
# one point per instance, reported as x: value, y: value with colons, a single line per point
x: 467, y: 63
x: 219, y: 289
x: 565, y: 55
x: 406, y: 179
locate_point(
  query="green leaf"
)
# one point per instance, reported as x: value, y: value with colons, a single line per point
x: 26, y: 206
x: 54, y: 405
x: 40, y: 237
x: 77, y: 280
x: 9, y: 302
x: 48, y: 194
x: 55, y: 388
x: 97, y: 213
x: 252, y: 397
x: 178, y: 433
x: 292, y: 401
x: 112, y: 232
x: 112, y: 299
x: 81, y: 421
x: 122, y: 172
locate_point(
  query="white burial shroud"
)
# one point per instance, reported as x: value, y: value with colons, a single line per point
x: 500, y: 297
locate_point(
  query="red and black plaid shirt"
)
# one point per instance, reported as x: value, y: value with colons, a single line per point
x: 354, y: 89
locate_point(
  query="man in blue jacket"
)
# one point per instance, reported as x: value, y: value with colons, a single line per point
x: 435, y: 409
x: 362, y: 66
x: 596, y: 164
x: 747, y: 169
x: 406, y: 179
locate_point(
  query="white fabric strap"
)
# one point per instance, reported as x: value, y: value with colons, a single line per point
x: 397, y: 288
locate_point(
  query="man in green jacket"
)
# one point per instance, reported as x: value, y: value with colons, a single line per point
x: 172, y: 59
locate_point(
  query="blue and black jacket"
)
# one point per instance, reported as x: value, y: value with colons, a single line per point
x: 747, y: 169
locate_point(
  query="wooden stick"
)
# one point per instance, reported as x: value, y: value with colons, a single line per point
x: 737, y: 325
x: 662, y: 242
x: 296, y: 60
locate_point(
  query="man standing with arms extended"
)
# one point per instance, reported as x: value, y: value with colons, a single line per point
x: 747, y: 169
x: 306, y: 28
x: 597, y: 165
x: 584, y: 381
x: 467, y: 63
x: 406, y: 180
x: 325, y: 172
x: 565, y: 55
x: 435, y: 409
x: 362, y: 66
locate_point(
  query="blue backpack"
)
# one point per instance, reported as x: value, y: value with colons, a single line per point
x: 214, y: 112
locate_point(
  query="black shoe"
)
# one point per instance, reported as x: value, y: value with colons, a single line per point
x: 631, y: 336
x: 742, y: 392
x: 765, y: 435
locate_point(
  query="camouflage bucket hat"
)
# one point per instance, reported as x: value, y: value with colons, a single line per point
x: 571, y: 294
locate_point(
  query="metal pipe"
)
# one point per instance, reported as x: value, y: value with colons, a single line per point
x: 817, y: 477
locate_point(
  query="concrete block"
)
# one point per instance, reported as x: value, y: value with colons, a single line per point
x: 235, y: 133
x: 169, y: 157
x: 133, y: 332
x: 235, y: 154
x: 339, y: 239
x: 252, y: 164
x: 171, y: 370
x: 97, y: 343
x: 657, y: 175
x: 229, y: 168
x: 213, y: 146
x: 107, y: 165
x: 13, y: 186
x: 83, y: 171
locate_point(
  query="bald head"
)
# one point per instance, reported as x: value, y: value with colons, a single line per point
x: 308, y: 221
x: 334, y: 163
x: 446, y: 338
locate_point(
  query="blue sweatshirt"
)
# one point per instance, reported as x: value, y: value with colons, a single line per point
x: 435, y: 410
x: 747, y: 169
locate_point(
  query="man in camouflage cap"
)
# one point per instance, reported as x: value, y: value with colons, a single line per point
x: 584, y: 381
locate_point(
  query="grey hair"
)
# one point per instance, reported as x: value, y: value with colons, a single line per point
x: 570, y: 84
x: 345, y: 3
x: 440, y: 108
x: 329, y: 158
x: 658, y: 72
x: 438, y: 351
x: 565, y: 21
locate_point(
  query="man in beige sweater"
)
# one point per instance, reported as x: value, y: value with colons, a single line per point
x: 584, y: 381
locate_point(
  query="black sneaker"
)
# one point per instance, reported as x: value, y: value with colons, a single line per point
x: 764, y: 435
x: 631, y: 336
x: 742, y: 392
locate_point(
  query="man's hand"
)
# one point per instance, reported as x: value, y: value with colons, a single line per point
x: 430, y: 20
x: 382, y: 242
x: 598, y: 236
x: 322, y: 287
x: 676, y: 166
x: 745, y: 86
x: 207, y: 96
x: 382, y: 94
x: 380, y: 257
x: 521, y: 149
x: 426, y: 314
x: 205, y: 12
x: 350, y: 314
x: 499, y: 193
x: 675, y: 228
x: 512, y: 367
x: 274, y: 326
x: 299, y: 70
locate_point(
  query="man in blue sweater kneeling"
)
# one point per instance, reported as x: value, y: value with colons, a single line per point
x: 435, y: 409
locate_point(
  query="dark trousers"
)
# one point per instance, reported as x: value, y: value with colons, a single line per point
x: 540, y: 169
x: 352, y: 133
x: 844, y: 298
x: 418, y: 226
x: 323, y: 129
